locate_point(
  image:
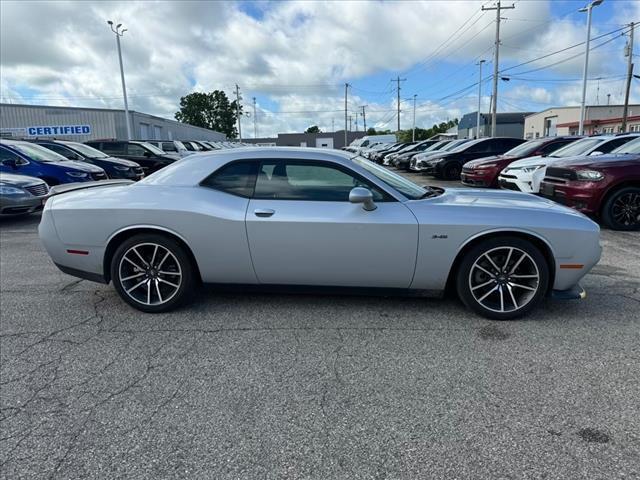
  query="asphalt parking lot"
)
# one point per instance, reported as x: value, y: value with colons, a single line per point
x: 255, y: 385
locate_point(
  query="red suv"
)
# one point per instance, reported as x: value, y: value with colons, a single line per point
x: 484, y: 172
x: 606, y: 187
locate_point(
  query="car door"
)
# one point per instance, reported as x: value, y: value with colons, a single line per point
x: 11, y: 162
x: 303, y: 230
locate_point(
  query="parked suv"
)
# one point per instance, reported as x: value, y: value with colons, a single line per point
x: 26, y: 158
x: 449, y: 165
x: 484, y: 171
x: 114, y: 167
x: 605, y: 186
x: 150, y: 158
x: 175, y: 147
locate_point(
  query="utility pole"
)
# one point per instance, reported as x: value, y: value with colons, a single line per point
x: 398, y: 80
x: 350, y: 117
x: 333, y: 125
x: 585, y: 70
x: 356, y: 121
x: 238, y: 98
x: 364, y: 118
x: 608, y: 98
x: 346, y: 89
x: 479, y: 99
x: 629, y: 54
x: 119, y: 33
x: 255, y: 119
x: 413, y: 136
x: 496, y: 56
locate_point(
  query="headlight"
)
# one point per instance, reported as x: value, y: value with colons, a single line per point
x: 122, y: 169
x: 484, y: 165
x: 6, y: 190
x: 77, y: 174
x: 589, y: 175
x: 532, y: 168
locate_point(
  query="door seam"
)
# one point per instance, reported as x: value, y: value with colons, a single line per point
x: 246, y: 232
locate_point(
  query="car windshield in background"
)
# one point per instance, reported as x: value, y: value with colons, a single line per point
x: 525, y: 148
x: 401, y: 184
x: 579, y: 147
x: 86, y: 150
x: 630, y: 147
x: 38, y: 153
x: 153, y: 148
x: 455, y: 145
x: 435, y: 146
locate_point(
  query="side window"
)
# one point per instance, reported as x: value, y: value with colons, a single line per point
x: 553, y: 146
x: 236, y: 178
x: 135, y: 150
x: 168, y: 147
x: 112, y: 148
x: 307, y: 181
x: 9, y: 155
x: 613, y: 144
x: 481, y: 147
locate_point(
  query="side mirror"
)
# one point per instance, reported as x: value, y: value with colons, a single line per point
x: 596, y: 153
x: 364, y: 196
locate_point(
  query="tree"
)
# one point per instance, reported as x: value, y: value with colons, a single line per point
x: 424, y: 134
x: 209, y: 110
x: 313, y: 129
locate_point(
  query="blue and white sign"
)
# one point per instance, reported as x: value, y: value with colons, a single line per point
x: 57, y: 130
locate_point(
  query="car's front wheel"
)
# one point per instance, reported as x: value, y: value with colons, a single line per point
x: 621, y: 211
x: 452, y: 172
x: 153, y: 273
x: 503, y: 278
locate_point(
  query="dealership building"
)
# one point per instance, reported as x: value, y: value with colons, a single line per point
x: 82, y: 124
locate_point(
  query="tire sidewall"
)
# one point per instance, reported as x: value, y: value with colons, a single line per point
x: 462, y: 280
x: 188, y: 278
x: 607, y: 216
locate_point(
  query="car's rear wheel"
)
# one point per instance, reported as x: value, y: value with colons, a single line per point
x: 503, y: 278
x: 153, y: 273
x: 621, y: 211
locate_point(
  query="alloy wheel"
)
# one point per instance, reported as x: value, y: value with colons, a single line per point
x: 626, y: 209
x: 150, y: 274
x: 504, y: 279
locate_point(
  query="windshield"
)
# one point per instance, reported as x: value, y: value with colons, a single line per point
x: 435, y: 146
x: 630, y: 147
x: 525, y: 148
x: 38, y: 153
x: 153, y: 148
x: 86, y: 150
x: 401, y: 184
x: 579, y: 147
x: 453, y: 145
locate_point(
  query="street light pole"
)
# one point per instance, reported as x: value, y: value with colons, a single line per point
x: 119, y: 33
x: 413, y: 136
x: 585, y: 70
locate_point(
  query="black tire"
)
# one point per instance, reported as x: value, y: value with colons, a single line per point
x: 470, y: 276
x: 621, y: 211
x: 452, y: 172
x: 180, y: 272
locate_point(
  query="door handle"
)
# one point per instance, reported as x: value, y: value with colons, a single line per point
x: 263, y: 212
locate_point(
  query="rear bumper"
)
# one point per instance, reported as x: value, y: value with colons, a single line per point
x: 574, y: 293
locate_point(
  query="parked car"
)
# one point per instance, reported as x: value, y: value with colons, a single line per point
x: 375, y: 148
x: 390, y: 157
x: 378, y: 157
x: 525, y: 175
x: 114, y: 167
x: 203, y: 145
x: 403, y: 160
x: 171, y: 147
x: 449, y: 165
x: 26, y: 158
x: 606, y: 187
x: 150, y: 158
x: 316, y: 217
x: 420, y: 163
x: 21, y: 195
x: 484, y: 171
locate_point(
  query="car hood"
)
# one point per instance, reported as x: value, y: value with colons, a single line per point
x: 118, y: 161
x: 17, y: 180
x: 498, y: 199
x: 430, y: 155
x: 599, y: 161
x: 484, y: 160
x: 81, y: 166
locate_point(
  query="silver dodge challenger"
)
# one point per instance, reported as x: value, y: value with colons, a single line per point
x: 315, y: 218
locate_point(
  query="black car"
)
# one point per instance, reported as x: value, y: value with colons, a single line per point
x: 150, y: 158
x: 114, y: 167
x: 403, y: 160
x: 449, y: 165
x: 378, y: 157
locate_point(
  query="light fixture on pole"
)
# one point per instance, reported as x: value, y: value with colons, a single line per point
x: 585, y: 71
x: 119, y: 33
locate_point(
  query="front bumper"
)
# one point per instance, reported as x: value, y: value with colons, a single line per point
x: 478, y: 178
x: 581, y: 196
x: 21, y: 204
x: 574, y: 293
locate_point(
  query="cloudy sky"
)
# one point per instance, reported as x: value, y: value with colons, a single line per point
x: 295, y: 57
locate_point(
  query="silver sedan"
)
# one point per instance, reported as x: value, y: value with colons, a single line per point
x: 316, y: 218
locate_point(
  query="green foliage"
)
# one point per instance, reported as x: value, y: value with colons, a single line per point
x: 313, y: 129
x: 209, y: 110
x: 373, y: 131
x: 424, y: 134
